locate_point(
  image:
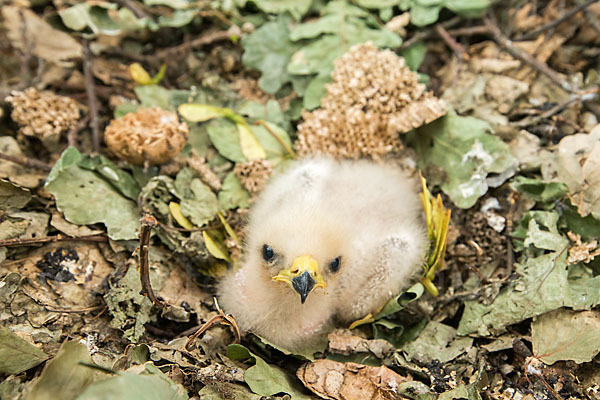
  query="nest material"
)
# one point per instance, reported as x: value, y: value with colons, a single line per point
x: 150, y: 136
x: 253, y: 175
x: 44, y: 115
x: 374, y: 97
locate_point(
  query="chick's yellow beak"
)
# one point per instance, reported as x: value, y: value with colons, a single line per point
x: 303, y: 276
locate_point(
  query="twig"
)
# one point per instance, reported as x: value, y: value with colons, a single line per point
x: 51, y: 239
x: 147, y: 223
x: 26, y: 161
x: 470, y: 31
x: 276, y: 137
x: 209, y: 38
x: 458, y: 49
x: 524, y: 56
x: 136, y: 8
x: 220, y: 318
x: 90, y: 89
x: 74, y: 131
x: 552, y: 24
x: 554, y: 110
x: 427, y: 33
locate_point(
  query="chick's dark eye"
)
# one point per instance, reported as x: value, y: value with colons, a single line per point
x: 268, y: 253
x: 334, y: 265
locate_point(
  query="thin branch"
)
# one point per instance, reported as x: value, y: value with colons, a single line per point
x: 552, y: 24
x: 51, y: 239
x: 222, y: 319
x: 458, y: 49
x: 26, y: 161
x: 470, y: 31
x: 90, y: 89
x: 427, y: 33
x: 147, y: 223
x: 74, y: 131
x: 278, y: 138
x: 135, y: 7
x: 524, y: 56
x: 173, y: 52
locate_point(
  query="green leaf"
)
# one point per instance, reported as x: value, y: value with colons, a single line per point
x: 421, y: 15
x: 414, y: 55
x: 461, y: 392
x: 121, y: 180
x: 12, y: 196
x: 233, y: 194
x: 269, y: 50
x: 154, y: 96
x: 64, y: 377
x: 467, y: 153
x: 251, y: 147
x: 296, y: 8
x: 401, y: 301
x: 203, y: 112
x: 150, y: 385
x: 86, y: 198
x: 215, y: 248
x: 437, y: 342
x: 95, y: 17
x: 544, y: 286
x: 566, y: 335
x: 16, y: 354
x: 265, y: 379
x: 539, y: 190
x: 225, y: 137
x: 198, y: 202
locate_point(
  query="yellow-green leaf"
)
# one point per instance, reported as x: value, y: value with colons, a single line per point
x: 438, y: 219
x: 203, y: 112
x: 228, y: 228
x: 250, y: 145
x: 215, y: 248
x: 181, y: 219
x: 142, y: 77
x: 139, y: 74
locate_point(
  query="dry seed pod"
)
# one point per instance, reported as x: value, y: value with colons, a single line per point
x: 44, y: 115
x: 149, y: 136
x: 373, y: 98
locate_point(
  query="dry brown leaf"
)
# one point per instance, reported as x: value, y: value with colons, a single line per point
x: 27, y: 30
x: 342, y: 341
x: 350, y: 381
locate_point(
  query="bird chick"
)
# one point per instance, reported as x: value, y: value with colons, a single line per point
x: 328, y: 242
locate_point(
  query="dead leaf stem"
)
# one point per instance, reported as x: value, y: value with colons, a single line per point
x: 458, y: 49
x: 552, y: 24
x: 51, y: 239
x: 147, y: 223
x: 90, y: 89
x: 26, y: 161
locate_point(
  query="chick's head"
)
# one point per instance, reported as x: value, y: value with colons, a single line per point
x: 299, y: 241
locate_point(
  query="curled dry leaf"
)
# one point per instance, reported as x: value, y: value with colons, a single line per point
x: 344, y: 342
x: 149, y: 136
x: 345, y: 381
x: 373, y: 98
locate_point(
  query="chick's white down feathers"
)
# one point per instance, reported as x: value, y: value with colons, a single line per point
x: 367, y: 214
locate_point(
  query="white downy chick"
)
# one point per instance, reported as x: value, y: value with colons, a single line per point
x: 328, y: 241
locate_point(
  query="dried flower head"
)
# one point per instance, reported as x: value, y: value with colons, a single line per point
x: 253, y: 175
x: 44, y: 115
x: 582, y: 251
x: 149, y: 136
x: 374, y: 97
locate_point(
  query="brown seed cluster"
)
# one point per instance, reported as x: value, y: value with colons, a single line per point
x: 374, y: 97
x: 253, y: 175
x: 582, y: 251
x: 44, y: 115
x: 149, y: 136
